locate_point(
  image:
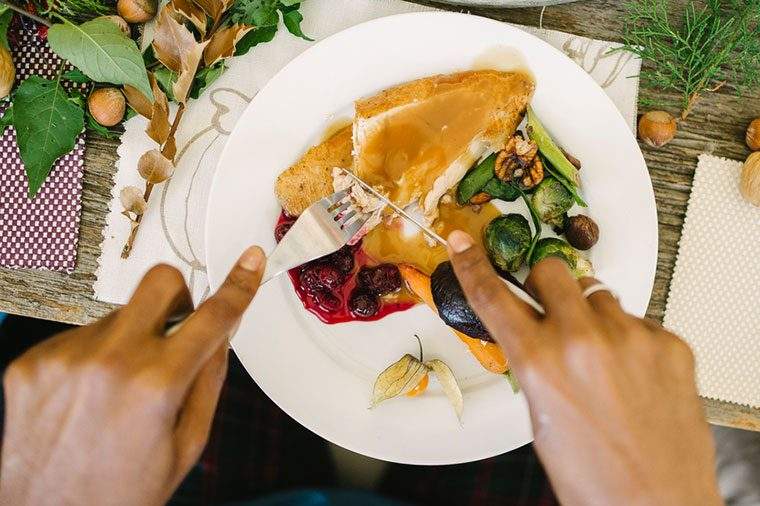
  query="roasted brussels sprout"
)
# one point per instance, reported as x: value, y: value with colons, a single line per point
x: 507, y: 240
x: 554, y: 247
x: 582, y: 232
x: 552, y: 200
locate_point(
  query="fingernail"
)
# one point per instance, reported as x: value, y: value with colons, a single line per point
x: 252, y: 259
x: 459, y: 241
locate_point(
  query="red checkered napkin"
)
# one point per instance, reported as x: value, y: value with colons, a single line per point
x: 40, y: 233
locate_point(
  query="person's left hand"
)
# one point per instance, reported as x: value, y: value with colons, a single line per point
x: 117, y: 412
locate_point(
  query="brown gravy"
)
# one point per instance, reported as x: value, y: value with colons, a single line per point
x: 388, y: 242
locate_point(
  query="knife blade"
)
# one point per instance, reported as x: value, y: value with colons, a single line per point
x: 518, y: 291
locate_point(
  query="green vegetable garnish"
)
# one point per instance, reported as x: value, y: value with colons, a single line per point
x: 551, y: 201
x: 555, y: 247
x: 550, y: 150
x: 507, y: 240
x: 498, y: 189
x: 474, y: 181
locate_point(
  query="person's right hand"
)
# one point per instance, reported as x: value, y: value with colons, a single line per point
x: 613, y: 402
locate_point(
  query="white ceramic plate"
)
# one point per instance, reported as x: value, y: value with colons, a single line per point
x: 322, y: 375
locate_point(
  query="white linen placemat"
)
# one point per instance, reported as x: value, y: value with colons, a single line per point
x: 173, y: 227
x: 714, y: 300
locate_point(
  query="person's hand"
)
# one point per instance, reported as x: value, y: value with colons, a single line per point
x: 117, y: 412
x: 613, y: 402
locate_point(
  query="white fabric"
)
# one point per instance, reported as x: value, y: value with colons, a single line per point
x: 715, y: 292
x: 173, y: 228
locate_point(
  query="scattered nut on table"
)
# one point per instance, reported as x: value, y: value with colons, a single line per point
x: 657, y: 128
x: 749, y: 181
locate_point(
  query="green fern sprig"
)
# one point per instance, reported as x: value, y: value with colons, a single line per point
x: 710, y: 45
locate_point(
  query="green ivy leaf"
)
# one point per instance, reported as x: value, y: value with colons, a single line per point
x: 5, y: 20
x: 291, y: 18
x: 205, y: 78
x: 47, y: 125
x: 100, y: 50
x: 288, y: 3
x: 260, y: 13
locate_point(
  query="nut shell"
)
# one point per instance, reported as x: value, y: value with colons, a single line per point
x: 749, y: 181
x: 107, y: 106
x: 752, y: 137
x: 137, y: 11
x: 657, y: 128
x: 154, y: 167
x: 7, y: 72
x: 581, y: 232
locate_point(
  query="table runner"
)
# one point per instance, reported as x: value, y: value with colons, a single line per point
x: 40, y: 233
x: 173, y: 228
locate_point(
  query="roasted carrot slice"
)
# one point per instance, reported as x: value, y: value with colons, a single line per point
x: 488, y: 354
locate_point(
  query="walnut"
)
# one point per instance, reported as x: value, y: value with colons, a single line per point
x: 519, y: 162
x: 480, y: 198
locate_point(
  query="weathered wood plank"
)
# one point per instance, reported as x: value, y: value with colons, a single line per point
x: 716, y: 126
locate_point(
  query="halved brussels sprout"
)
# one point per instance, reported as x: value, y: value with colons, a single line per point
x: 507, y: 240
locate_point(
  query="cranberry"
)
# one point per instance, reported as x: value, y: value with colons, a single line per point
x: 42, y: 31
x: 381, y: 280
x: 315, y: 277
x: 310, y: 279
x: 343, y: 260
x: 327, y: 301
x: 363, y: 304
x: 282, y: 229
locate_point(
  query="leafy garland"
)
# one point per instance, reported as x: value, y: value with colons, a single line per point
x: 713, y: 44
x: 181, y: 52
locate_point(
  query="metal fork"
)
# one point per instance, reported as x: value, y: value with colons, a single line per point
x: 325, y: 227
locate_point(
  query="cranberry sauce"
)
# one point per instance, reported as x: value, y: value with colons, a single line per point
x: 347, y: 285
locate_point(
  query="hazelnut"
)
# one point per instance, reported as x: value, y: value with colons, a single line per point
x: 753, y: 135
x: 132, y: 200
x: 137, y: 11
x: 657, y: 128
x: 154, y: 167
x: 749, y: 181
x: 7, y: 72
x: 107, y: 106
x: 581, y: 232
x: 119, y: 22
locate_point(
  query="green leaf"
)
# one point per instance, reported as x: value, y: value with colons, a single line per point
x: 255, y: 37
x: 77, y: 98
x: 5, y: 20
x: 100, y: 50
x: 259, y: 13
x: 7, y: 119
x: 47, y: 125
x: 288, y: 3
x: 292, y: 20
x: 99, y: 129
x: 76, y: 76
x: 165, y: 78
x: 205, y: 78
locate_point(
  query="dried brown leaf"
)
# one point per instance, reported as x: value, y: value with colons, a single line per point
x: 172, y: 40
x: 398, y: 379
x: 192, y: 13
x: 449, y: 384
x: 190, y: 61
x: 138, y: 101
x: 222, y: 43
x: 154, y: 167
x: 159, y: 127
x: 132, y: 199
x: 214, y: 8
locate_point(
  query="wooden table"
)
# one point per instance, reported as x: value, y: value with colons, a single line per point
x: 716, y: 125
